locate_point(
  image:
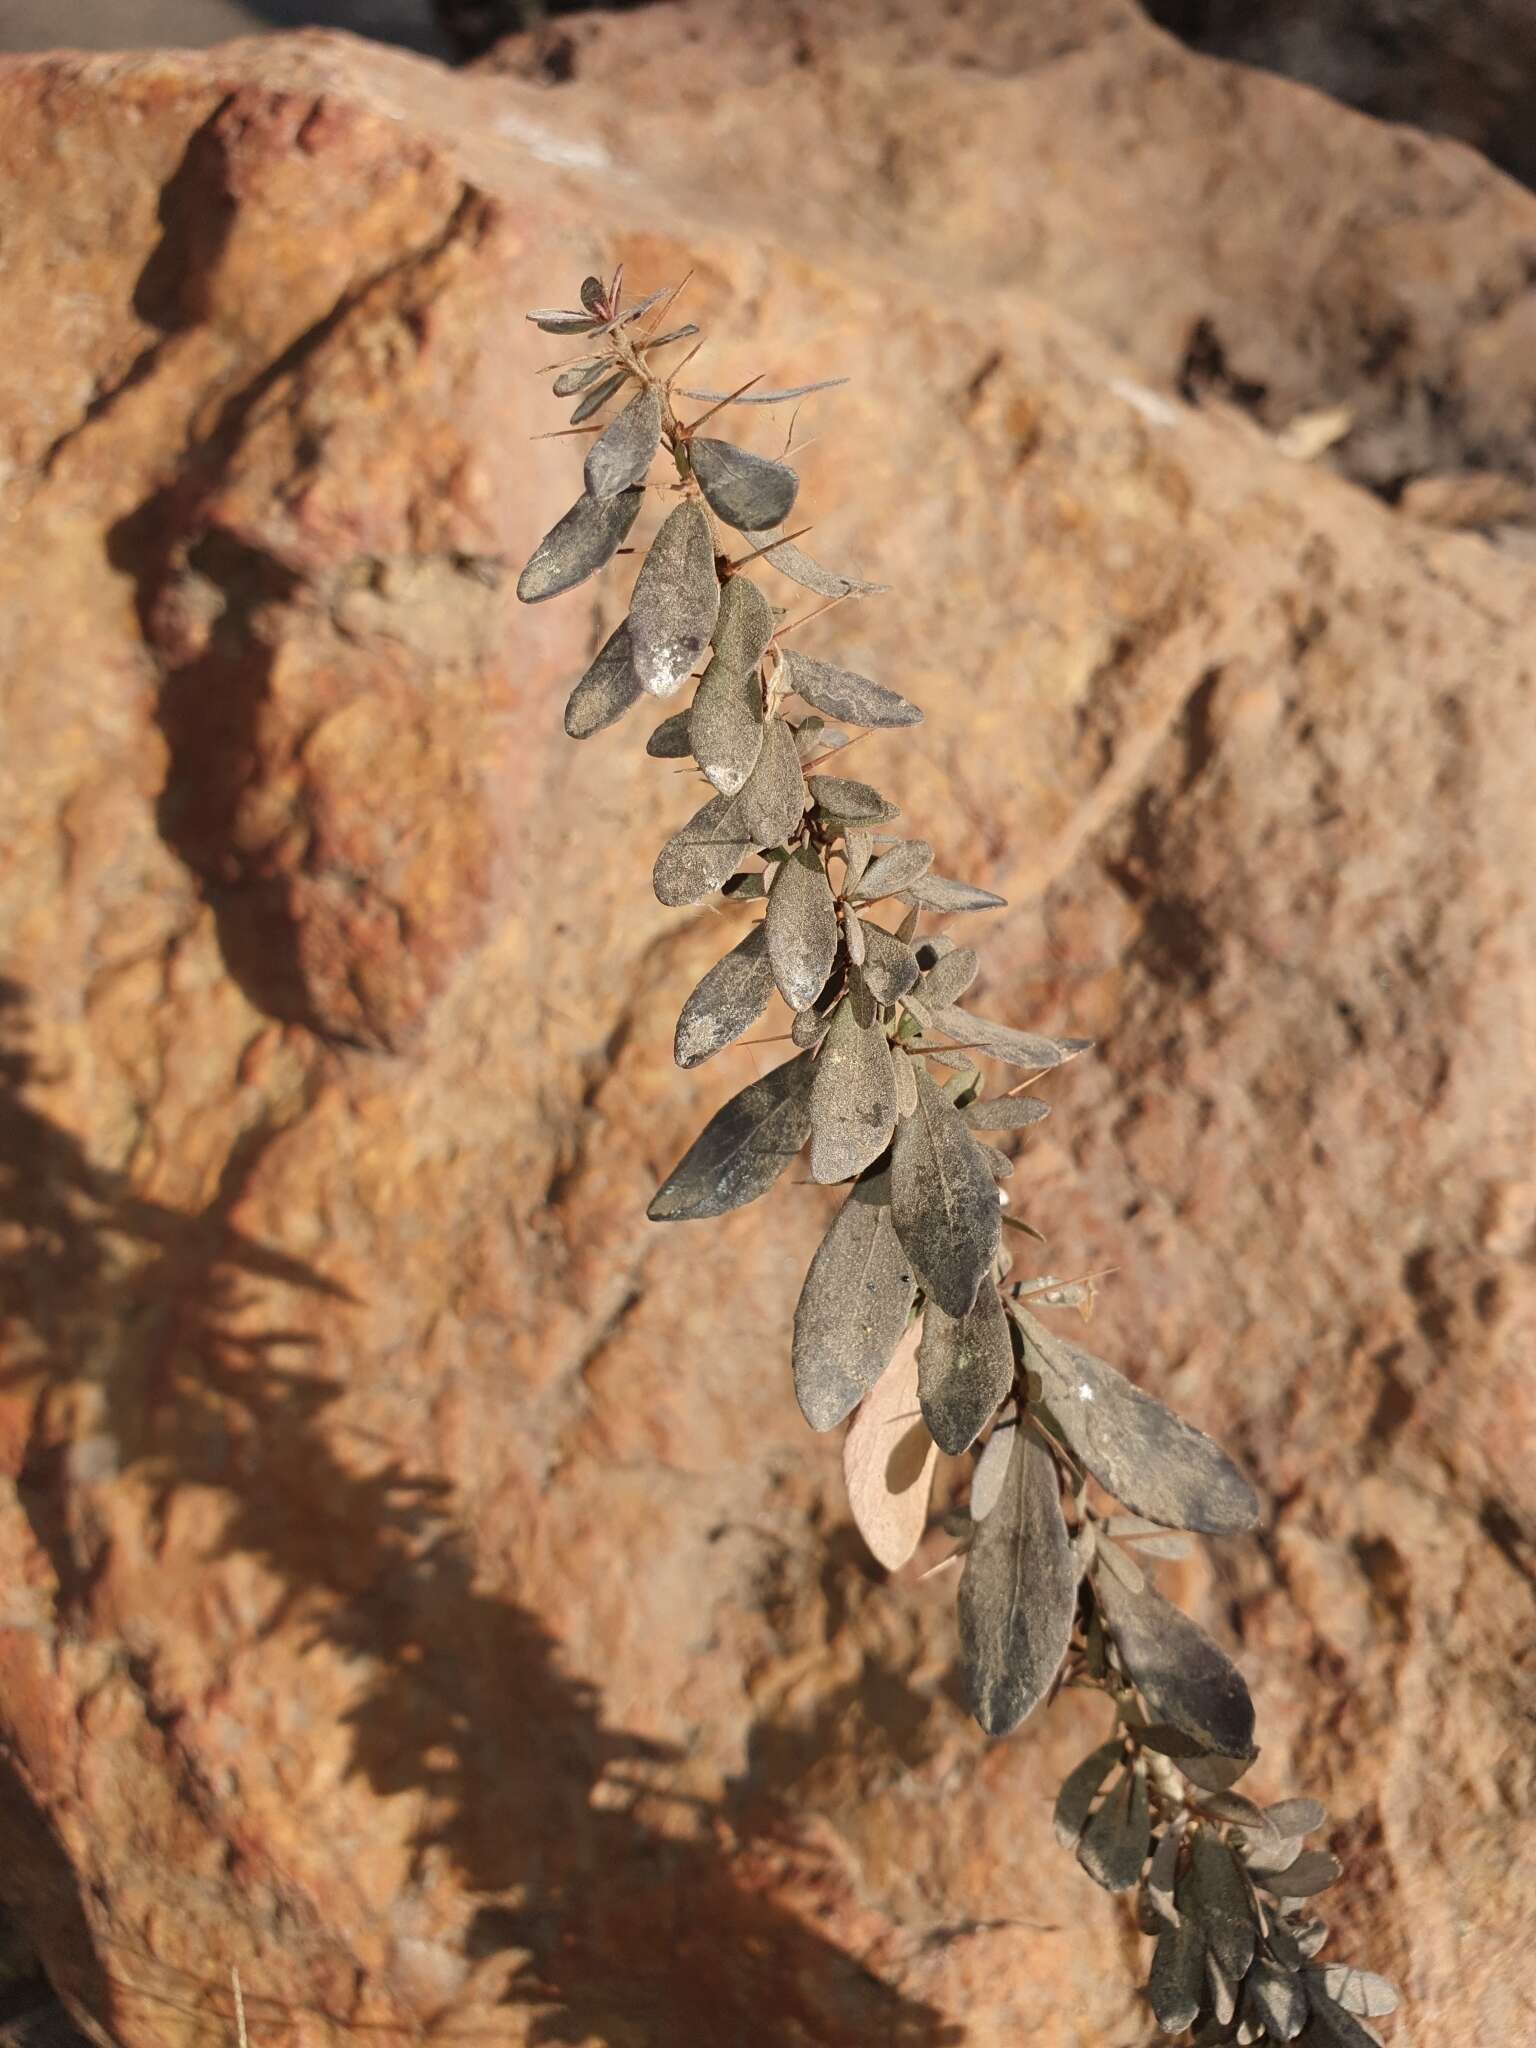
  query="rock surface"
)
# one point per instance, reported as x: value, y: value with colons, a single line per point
x: 422, y: 1594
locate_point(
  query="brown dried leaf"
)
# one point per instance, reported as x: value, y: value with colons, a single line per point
x: 889, y: 1460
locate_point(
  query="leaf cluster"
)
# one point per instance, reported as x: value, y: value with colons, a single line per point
x: 911, y: 1326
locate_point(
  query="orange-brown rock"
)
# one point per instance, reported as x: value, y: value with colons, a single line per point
x: 421, y: 1592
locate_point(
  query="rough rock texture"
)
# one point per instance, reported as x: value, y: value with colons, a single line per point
x: 420, y: 1590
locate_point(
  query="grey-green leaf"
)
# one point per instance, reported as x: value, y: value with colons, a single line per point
x: 843, y: 694
x: 853, y: 1100
x: 1081, y: 1785
x: 895, y: 869
x: 1162, y: 1879
x: 746, y: 491
x: 799, y: 568
x: 1001, y: 1041
x: 625, y: 449
x: 669, y: 742
x: 947, y: 980
x: 890, y: 968
x: 1177, y: 1977
x: 1153, y: 1461
x: 1331, y: 2027
x: 1275, y: 1999
x: 1018, y: 1595
x: 853, y: 803
x: 743, y: 1148
x: 802, y: 928
x: 676, y: 598
x: 1296, y: 1816
x: 578, y: 376
x: 578, y: 545
x: 904, y: 1067
x: 1115, y: 1842
x: 1358, y: 1991
x: 773, y: 796
x: 728, y: 1001
x: 598, y: 397
x: 702, y: 856
x: 1214, y: 1892
x: 726, y: 724
x: 1184, y: 1678
x: 992, y: 1467
x: 853, y: 1307
x: 964, y: 1369
x: 943, y: 1199
x: 606, y: 691
x: 1313, y: 1871
x: 936, y: 892
x: 1005, y: 1113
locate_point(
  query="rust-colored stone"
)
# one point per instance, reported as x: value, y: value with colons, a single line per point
x: 422, y: 1593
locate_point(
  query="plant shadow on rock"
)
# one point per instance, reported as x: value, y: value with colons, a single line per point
x: 624, y: 1933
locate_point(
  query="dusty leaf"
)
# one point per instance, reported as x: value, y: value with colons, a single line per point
x: 889, y: 1460
x: 669, y: 742
x: 625, y: 449
x: 703, y: 855
x: 904, y: 1070
x: 1275, y: 1999
x: 792, y: 562
x: 895, y: 869
x: 936, y: 892
x: 1017, y: 1595
x: 802, y: 928
x: 1114, y: 1844
x: 965, y: 1368
x: 767, y: 397
x: 947, y: 980
x: 943, y: 1199
x: 773, y: 797
x: 1313, y: 1871
x: 606, y: 691
x: 1358, y: 1991
x: 851, y: 803
x: 726, y: 723
x: 1080, y: 1788
x: 1182, y: 1675
x: 676, y: 598
x: 1177, y: 1977
x: 1214, y: 1893
x: 1153, y: 1461
x: 730, y: 998
x: 843, y: 694
x: 743, y: 1148
x: 1002, y: 1042
x: 746, y: 491
x: 1162, y: 1878
x: 853, y: 936
x: 853, y: 1307
x: 577, y: 376
x: 562, y: 320
x: 578, y: 545
x: 1005, y: 1113
x: 1296, y: 1816
x: 598, y: 397
x: 853, y: 1100
x: 890, y: 967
